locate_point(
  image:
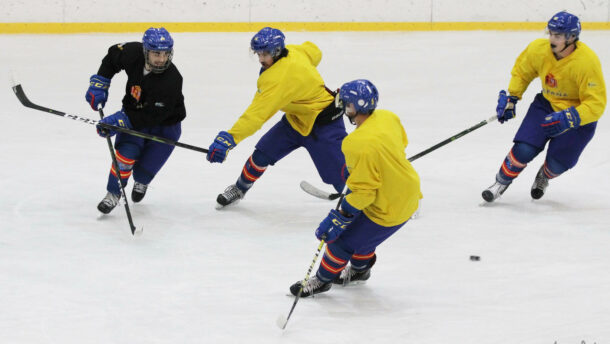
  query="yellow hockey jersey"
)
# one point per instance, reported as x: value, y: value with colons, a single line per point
x: 575, y: 80
x: 293, y: 85
x: 384, y: 185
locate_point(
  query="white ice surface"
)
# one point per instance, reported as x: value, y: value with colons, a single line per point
x: 197, y: 275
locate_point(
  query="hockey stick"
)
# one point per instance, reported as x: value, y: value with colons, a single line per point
x: 314, y: 191
x: 283, y: 321
x: 27, y: 103
x: 115, y: 164
x: 453, y: 138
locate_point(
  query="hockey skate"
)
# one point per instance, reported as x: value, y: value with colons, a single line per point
x: 493, y: 192
x: 540, y: 184
x: 138, y: 192
x: 350, y: 275
x: 312, y: 286
x: 231, y: 195
x: 108, y: 203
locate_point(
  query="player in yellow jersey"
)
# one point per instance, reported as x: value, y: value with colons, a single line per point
x: 290, y: 82
x: 385, y: 191
x: 564, y: 114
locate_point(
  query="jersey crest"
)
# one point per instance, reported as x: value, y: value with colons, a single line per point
x: 550, y: 80
x: 136, y: 92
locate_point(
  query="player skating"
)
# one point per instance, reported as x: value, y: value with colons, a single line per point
x: 384, y: 192
x: 564, y: 114
x: 288, y: 81
x: 153, y: 104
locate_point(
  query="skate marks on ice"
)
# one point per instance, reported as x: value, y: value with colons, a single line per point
x: 355, y: 302
x: 539, y: 207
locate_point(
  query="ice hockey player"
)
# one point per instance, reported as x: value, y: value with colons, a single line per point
x: 153, y: 104
x: 564, y: 114
x: 385, y: 192
x: 288, y: 81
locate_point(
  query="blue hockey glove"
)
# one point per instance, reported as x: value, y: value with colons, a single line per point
x: 559, y: 122
x: 221, y: 146
x: 98, y: 91
x: 506, y: 107
x: 118, y: 119
x: 332, y: 226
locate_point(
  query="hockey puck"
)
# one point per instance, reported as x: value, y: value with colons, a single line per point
x: 475, y: 258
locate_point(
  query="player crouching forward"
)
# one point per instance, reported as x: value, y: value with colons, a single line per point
x: 385, y: 191
x: 153, y: 104
x: 564, y: 114
x: 288, y: 81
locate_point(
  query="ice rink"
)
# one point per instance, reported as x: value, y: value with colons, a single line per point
x: 198, y: 275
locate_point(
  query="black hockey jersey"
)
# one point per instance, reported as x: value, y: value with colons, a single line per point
x: 151, y: 100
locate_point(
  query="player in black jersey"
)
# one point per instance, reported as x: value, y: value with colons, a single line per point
x: 153, y: 104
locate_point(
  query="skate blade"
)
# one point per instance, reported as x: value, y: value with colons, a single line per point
x: 220, y: 206
x: 352, y: 283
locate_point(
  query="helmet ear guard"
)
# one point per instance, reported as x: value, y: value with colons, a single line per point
x: 158, y: 39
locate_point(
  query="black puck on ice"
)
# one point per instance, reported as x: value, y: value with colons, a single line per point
x: 475, y: 258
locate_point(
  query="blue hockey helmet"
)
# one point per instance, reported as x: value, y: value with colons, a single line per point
x: 362, y: 93
x: 158, y: 39
x: 566, y: 23
x: 268, y: 39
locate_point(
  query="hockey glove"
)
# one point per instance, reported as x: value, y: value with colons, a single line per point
x: 221, y: 146
x: 332, y: 226
x: 559, y: 122
x: 506, y: 107
x: 98, y: 91
x: 118, y: 119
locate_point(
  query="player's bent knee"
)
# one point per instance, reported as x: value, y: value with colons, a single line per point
x: 261, y: 159
x: 524, y: 152
x: 556, y: 167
